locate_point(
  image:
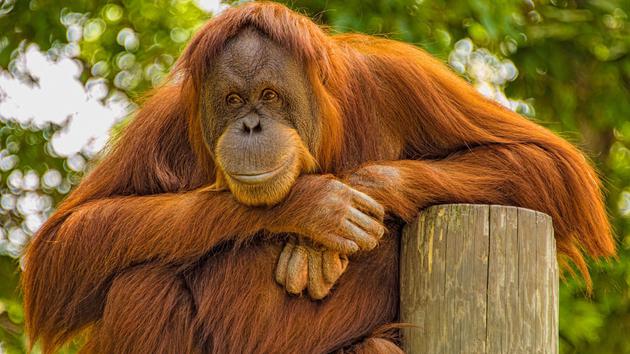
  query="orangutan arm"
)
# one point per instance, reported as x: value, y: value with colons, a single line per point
x: 72, y: 260
x: 533, y: 176
x: 177, y: 228
x: 405, y: 187
x: 526, y: 175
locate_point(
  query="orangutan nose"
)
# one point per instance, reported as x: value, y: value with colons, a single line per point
x: 251, y: 124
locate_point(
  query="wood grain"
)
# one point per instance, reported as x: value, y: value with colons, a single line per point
x: 479, y: 279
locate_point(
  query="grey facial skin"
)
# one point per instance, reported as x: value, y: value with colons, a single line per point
x: 258, y: 116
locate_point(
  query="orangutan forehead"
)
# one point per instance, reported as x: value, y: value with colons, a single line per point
x: 251, y: 53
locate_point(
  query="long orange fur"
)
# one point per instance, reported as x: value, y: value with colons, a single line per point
x: 142, y: 257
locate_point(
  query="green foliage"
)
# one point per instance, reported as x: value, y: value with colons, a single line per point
x: 573, y: 63
x: 11, y: 315
x: 140, y: 38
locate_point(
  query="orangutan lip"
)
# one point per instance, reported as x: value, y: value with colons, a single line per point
x: 258, y: 177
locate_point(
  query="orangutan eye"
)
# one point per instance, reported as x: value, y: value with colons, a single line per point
x: 234, y: 100
x: 269, y: 95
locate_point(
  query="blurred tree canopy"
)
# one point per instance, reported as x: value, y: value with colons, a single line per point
x: 573, y: 76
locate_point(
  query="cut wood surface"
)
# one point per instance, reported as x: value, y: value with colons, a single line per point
x: 479, y: 279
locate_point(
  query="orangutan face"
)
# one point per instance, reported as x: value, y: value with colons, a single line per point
x: 258, y: 119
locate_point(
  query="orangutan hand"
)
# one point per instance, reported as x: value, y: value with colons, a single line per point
x: 338, y: 217
x: 303, y: 265
x: 376, y: 180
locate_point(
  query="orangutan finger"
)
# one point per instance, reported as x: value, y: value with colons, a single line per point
x: 340, y: 243
x: 333, y: 265
x: 358, y: 235
x: 297, y: 270
x: 367, y: 223
x: 367, y: 204
x: 318, y: 288
x: 283, y: 263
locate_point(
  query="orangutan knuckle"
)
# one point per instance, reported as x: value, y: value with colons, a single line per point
x: 335, y: 185
x: 329, y: 210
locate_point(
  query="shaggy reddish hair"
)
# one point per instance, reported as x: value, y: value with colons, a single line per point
x: 132, y: 254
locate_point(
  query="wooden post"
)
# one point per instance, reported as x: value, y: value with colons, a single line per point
x: 479, y: 279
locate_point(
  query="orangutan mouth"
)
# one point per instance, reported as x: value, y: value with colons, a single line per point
x: 260, y: 177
